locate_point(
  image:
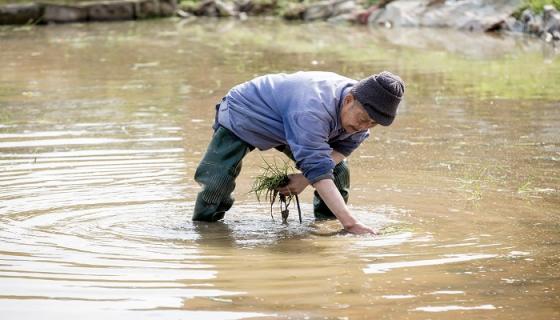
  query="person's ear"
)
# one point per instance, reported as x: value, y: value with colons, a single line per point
x: 349, y: 98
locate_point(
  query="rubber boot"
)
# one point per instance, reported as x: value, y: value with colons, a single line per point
x: 341, y: 174
x: 216, y: 173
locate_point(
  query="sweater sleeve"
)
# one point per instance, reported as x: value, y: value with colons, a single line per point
x: 307, y: 135
x: 348, y: 145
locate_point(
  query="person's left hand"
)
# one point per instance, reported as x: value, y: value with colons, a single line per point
x: 297, y: 184
x: 360, y: 228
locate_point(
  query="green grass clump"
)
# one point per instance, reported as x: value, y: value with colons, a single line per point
x: 536, y: 6
x: 275, y: 176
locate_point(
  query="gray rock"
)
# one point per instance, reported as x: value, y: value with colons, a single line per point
x: 183, y: 14
x: 215, y: 8
x: 224, y: 9
x: 243, y: 5
x: 343, y: 7
x: 465, y: 14
x: 318, y: 11
x: 531, y: 22
x: 551, y: 19
x: 527, y: 16
x: 54, y: 13
x: 548, y: 11
x: 473, y: 25
x: 167, y: 7
x: 343, y: 18
x: 20, y: 13
x: 330, y: 10
x: 513, y: 25
x: 399, y: 13
x: 294, y: 11
x: 206, y: 8
x: 110, y: 11
x: 257, y: 7
x: 535, y: 26
x: 146, y: 9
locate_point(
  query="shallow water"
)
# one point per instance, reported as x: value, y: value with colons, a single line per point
x: 102, y: 125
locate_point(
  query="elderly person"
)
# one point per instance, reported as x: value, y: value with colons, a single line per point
x: 317, y: 118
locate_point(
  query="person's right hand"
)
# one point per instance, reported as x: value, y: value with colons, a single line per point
x: 360, y: 228
x: 297, y: 184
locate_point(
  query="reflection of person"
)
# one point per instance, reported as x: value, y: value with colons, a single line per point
x: 316, y: 118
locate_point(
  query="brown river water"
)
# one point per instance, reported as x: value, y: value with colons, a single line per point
x: 102, y: 126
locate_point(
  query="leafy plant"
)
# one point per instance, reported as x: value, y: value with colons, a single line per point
x: 536, y: 6
x: 275, y: 176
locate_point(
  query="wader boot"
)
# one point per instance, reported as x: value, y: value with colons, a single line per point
x: 341, y: 174
x: 342, y: 182
x: 216, y: 173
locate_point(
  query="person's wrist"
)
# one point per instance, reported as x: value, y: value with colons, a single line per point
x: 306, y: 181
x: 348, y: 222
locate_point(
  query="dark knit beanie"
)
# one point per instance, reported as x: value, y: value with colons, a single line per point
x: 380, y: 94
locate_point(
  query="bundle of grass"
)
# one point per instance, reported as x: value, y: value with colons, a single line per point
x: 274, y: 177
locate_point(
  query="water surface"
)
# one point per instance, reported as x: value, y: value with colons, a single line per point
x: 102, y: 126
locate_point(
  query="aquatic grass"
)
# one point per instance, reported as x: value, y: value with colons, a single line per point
x: 275, y: 176
x: 395, y: 229
x: 525, y: 187
x: 472, y: 181
x: 529, y: 189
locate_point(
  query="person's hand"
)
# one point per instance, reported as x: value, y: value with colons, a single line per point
x: 360, y: 228
x: 297, y: 184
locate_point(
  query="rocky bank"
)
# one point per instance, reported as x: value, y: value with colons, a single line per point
x: 470, y: 15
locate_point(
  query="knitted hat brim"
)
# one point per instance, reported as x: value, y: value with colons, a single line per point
x: 380, y: 118
x: 380, y: 104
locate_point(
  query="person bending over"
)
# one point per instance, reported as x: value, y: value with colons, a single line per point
x: 316, y: 118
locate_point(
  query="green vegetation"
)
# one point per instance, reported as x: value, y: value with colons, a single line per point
x: 274, y: 177
x: 471, y: 184
x: 530, y: 189
x: 372, y: 2
x: 538, y: 5
x: 535, y: 6
x: 395, y: 229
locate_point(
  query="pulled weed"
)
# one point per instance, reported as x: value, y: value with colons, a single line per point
x: 275, y: 176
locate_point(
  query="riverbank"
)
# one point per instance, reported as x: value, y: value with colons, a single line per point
x: 62, y: 12
x: 537, y: 17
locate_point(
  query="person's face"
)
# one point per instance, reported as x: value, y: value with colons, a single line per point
x: 354, y: 117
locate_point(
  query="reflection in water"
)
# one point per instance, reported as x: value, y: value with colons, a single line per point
x: 102, y: 125
x: 383, y: 267
x: 455, y: 308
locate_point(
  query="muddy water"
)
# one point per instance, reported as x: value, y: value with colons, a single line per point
x: 102, y: 125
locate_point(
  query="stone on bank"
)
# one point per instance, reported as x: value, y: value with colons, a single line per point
x: 86, y: 11
x: 54, y: 13
x: 20, y: 13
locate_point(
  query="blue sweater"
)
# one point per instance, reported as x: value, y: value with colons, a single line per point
x: 301, y: 110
